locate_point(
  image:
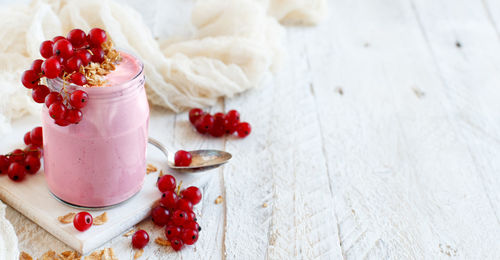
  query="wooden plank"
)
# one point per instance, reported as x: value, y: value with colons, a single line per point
x: 404, y: 179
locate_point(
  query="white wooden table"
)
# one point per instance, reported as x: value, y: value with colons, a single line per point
x: 379, y: 138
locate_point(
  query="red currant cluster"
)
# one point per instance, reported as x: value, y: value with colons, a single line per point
x: 219, y: 124
x: 63, y: 58
x: 175, y: 212
x: 19, y: 162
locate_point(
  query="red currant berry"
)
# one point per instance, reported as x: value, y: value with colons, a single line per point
x: 218, y: 129
x: 84, y: 56
x: 230, y: 127
x: 172, y: 232
x: 17, y: 155
x: 46, y: 49
x: 82, y: 221
x: 63, y: 48
x: 179, y: 217
x: 39, y: 93
x: 16, y: 171
x: 169, y: 199
x: 185, y: 205
x: 72, y: 64
x: 78, y: 99
x: 182, y: 158
x: 243, y: 129
x: 36, y: 66
x: 62, y: 122
x: 233, y: 116
x: 77, y: 38
x: 97, y: 54
x: 4, y: 164
x: 167, y: 183
x: 176, y: 244
x: 32, y: 150
x: 194, y: 114
x: 27, y: 138
x: 51, y: 67
x: 97, y: 37
x: 204, y: 123
x: 57, y: 38
x: 57, y: 110
x: 73, y: 116
x: 32, y: 164
x: 192, y: 194
x: 78, y: 79
x: 189, y: 236
x: 160, y: 216
x: 140, y: 239
x: 192, y: 225
x: 52, y: 97
x: 36, y: 136
x: 190, y: 216
x: 30, y: 79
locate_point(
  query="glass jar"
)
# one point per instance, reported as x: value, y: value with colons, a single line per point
x: 100, y: 161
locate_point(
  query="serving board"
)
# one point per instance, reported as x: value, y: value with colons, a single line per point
x: 32, y: 198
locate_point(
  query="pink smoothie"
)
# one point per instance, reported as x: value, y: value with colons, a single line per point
x: 102, y: 160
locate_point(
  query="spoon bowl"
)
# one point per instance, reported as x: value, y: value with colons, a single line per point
x: 202, y: 160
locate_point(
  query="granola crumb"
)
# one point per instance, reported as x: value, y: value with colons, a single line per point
x: 161, y: 174
x: 138, y: 253
x: 69, y: 255
x: 218, y: 200
x: 101, y: 219
x: 66, y: 219
x: 151, y: 168
x: 129, y: 233
x: 25, y: 256
x: 162, y: 242
x: 264, y: 205
x: 49, y: 255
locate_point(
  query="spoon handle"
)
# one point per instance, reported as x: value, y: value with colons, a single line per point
x: 158, y: 145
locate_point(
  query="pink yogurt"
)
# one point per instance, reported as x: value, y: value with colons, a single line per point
x: 102, y: 160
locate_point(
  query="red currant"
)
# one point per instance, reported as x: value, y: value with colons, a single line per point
x: 160, y: 216
x: 192, y: 194
x: 194, y: 114
x: 190, y: 216
x: 168, y: 199
x: 204, y: 123
x: 73, y: 116
x: 63, y: 48
x: 72, y: 64
x: 32, y: 164
x: 167, y: 183
x: 36, y: 66
x: 176, y: 244
x: 140, y: 239
x: 52, y: 97
x: 27, y: 138
x: 189, y: 236
x: 243, y: 129
x: 46, y: 49
x: 62, y: 122
x: 218, y: 129
x: 16, y: 171
x: 82, y: 221
x: 229, y: 126
x: 39, y: 93
x: 182, y: 158
x: 30, y: 78
x: 179, y: 217
x: 32, y: 150
x: 172, y: 232
x: 84, y: 56
x: 57, y: 110
x: 78, y: 79
x: 36, y: 136
x: 192, y: 225
x: 97, y: 36
x: 233, y: 116
x: 97, y: 54
x: 51, y: 67
x: 77, y: 38
x: 78, y: 99
x: 4, y: 164
x: 185, y: 205
x: 57, y: 38
x: 17, y: 155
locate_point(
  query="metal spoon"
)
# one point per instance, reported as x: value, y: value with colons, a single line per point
x: 202, y: 159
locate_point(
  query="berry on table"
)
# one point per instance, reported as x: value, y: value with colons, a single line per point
x: 51, y: 67
x: 30, y: 79
x: 78, y: 99
x: 36, y: 136
x: 185, y: 205
x: 17, y: 155
x: 32, y: 164
x: 172, y: 232
x: 4, y: 164
x: 218, y: 129
x: 176, y: 244
x: 16, y: 171
x: 189, y: 236
x: 204, y: 123
x: 194, y: 114
x: 190, y: 216
x: 27, y: 138
x: 77, y: 38
x: 63, y: 48
x: 53, y: 97
x: 179, y: 217
x: 33, y: 151
x: 96, y: 37
x: 140, y: 239
x: 39, y: 93
x: 233, y: 116
x: 193, y: 194
x: 192, y: 225
x: 243, y: 129
x: 57, y: 110
x: 82, y: 221
x: 169, y: 199
x: 182, y: 158
x: 160, y: 216
x: 46, y: 49
x: 166, y: 183
x: 36, y: 66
